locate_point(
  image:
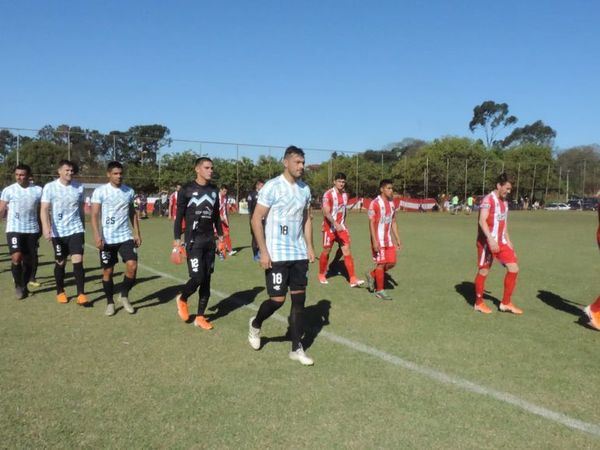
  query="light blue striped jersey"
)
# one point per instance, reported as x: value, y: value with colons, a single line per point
x: 115, y: 203
x: 283, y: 230
x: 65, y: 202
x: 23, y: 206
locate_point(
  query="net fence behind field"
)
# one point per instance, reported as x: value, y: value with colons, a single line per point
x: 157, y: 162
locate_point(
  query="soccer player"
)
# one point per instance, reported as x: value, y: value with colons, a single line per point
x: 469, y: 207
x: 64, y: 197
x: 198, y: 203
x: 224, y: 214
x: 455, y: 205
x: 493, y: 242
x: 285, y: 243
x: 113, y: 203
x: 173, y: 202
x: 22, y: 226
x: 385, y: 240
x: 593, y: 311
x: 334, y: 205
x: 252, y: 199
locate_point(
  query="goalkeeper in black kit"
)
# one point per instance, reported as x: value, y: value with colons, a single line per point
x: 198, y: 203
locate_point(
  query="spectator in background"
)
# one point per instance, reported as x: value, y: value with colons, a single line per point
x: 164, y: 203
x: 252, y: 199
x: 224, y: 213
x: 143, y: 206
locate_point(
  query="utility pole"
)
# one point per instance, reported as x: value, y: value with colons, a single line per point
x: 483, y: 183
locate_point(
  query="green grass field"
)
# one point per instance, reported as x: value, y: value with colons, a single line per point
x: 73, y: 378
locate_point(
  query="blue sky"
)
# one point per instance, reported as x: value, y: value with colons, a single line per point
x: 344, y: 75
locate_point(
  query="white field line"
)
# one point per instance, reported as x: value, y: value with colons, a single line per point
x: 432, y: 374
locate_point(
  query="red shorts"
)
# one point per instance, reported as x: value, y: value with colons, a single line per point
x: 225, y: 228
x: 331, y: 237
x: 485, y: 257
x: 385, y: 255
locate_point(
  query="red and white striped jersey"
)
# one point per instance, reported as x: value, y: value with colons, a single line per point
x: 382, y: 212
x: 223, y: 209
x: 496, y: 220
x: 336, y: 202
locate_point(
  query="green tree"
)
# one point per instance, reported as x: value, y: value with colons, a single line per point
x: 176, y: 168
x: 582, y: 165
x: 8, y: 141
x: 144, y: 143
x: 536, y: 133
x: 42, y: 156
x: 527, y: 164
x: 492, y: 117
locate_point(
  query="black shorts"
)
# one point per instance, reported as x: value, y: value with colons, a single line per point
x: 286, y: 274
x: 26, y: 243
x: 109, y: 255
x: 68, y: 245
x: 200, y: 262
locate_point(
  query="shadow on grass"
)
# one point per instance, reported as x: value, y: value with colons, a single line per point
x: 233, y: 302
x: 315, y: 318
x: 467, y: 290
x: 562, y: 304
x: 70, y: 280
x: 162, y: 296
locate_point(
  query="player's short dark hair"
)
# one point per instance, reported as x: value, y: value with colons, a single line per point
x: 385, y: 182
x: 224, y: 186
x: 201, y: 160
x: 113, y: 165
x: 66, y: 162
x: 259, y: 182
x: 24, y: 167
x: 293, y: 150
x: 340, y: 176
x: 503, y: 179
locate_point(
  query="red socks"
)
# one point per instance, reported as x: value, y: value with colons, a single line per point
x: 227, y: 240
x: 379, y: 275
x: 323, y: 260
x: 479, y: 286
x: 349, y: 263
x: 595, y: 307
x: 510, y: 280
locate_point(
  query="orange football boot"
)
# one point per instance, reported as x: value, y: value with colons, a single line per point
x: 182, y: 308
x: 201, y: 322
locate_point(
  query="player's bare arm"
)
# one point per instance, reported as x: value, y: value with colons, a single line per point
x: 135, y: 224
x: 483, y: 215
x: 179, y: 215
x: 373, y: 232
x: 45, y: 217
x: 259, y: 233
x: 95, y: 219
x: 396, y: 235
x: 2, y: 208
x: 308, y: 234
x: 327, y: 213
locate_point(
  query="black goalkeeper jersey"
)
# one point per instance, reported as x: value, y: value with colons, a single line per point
x: 199, y: 205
